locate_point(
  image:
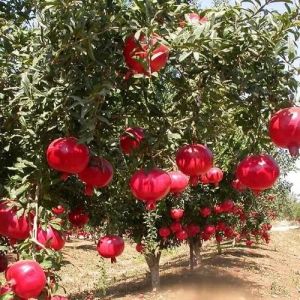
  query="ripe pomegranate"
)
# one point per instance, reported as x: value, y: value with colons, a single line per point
x: 140, y: 247
x: 205, y: 236
x: 249, y: 243
x: 3, y: 262
x: 284, y: 129
x: 219, y: 238
x: 78, y: 217
x: 238, y: 186
x: 221, y: 226
x: 97, y: 174
x: 181, y: 235
x: 218, y: 209
x: 175, y: 227
x: 204, y: 179
x: 164, y: 232
x: 4, y: 291
x: 12, y: 226
x: 58, y: 210
x: 145, y: 55
x: 205, y: 212
x: 67, y: 156
x: 229, y: 233
x: 194, y: 160
x: 111, y: 246
x: 227, y: 206
x: 179, y: 182
x: 214, y: 175
x: 51, y: 238
x: 258, y: 172
x: 192, y: 230
x: 209, y: 229
x: 27, y: 278
x: 131, y: 139
x: 176, y: 213
x: 150, y: 186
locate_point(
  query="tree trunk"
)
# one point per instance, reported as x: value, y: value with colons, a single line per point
x: 195, y: 252
x: 152, y: 260
x: 219, y: 248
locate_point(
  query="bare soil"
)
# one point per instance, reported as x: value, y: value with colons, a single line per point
x: 240, y: 273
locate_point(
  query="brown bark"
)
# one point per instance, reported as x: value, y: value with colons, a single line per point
x: 195, y: 252
x: 152, y: 260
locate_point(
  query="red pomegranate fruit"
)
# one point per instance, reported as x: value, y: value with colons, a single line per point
x: 209, y: 229
x: 238, y: 186
x: 227, y: 206
x: 175, y: 226
x: 78, y: 217
x: 27, y: 278
x: 205, y: 212
x: 58, y: 210
x: 11, y: 225
x: 111, y: 246
x: 194, y: 160
x: 140, y: 247
x: 145, y: 55
x: 51, y: 238
x: 204, y: 179
x: 258, y: 172
x: 150, y: 186
x: 164, y: 232
x: 284, y: 129
x: 179, y: 182
x: 176, y: 213
x: 3, y: 262
x: 131, y: 139
x: 192, y: 230
x: 67, y: 156
x: 97, y: 174
x: 219, y: 238
x: 214, y: 175
x: 181, y: 235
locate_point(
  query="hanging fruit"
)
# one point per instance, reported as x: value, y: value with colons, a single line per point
x: 194, y: 160
x: 97, y: 174
x: 150, y: 186
x: 175, y: 226
x: 192, y: 230
x: 78, y: 217
x: 205, y: 212
x: 58, y: 210
x: 140, y: 247
x: 67, y: 156
x: 284, y: 129
x: 214, y: 175
x: 51, y: 238
x: 111, y: 246
x: 164, y: 232
x: 145, y: 55
x: 176, y: 213
x: 258, y: 172
x: 131, y: 139
x: 179, y: 182
x: 27, y: 278
x: 181, y: 235
x: 238, y: 186
x: 11, y: 225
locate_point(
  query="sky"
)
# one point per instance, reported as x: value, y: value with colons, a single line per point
x: 292, y: 177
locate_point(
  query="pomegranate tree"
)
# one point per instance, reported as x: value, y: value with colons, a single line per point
x: 27, y: 278
x: 150, y: 186
x: 284, y: 129
x: 111, y: 246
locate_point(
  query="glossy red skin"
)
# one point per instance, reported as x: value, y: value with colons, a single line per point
x: 140, y: 247
x: 204, y: 179
x: 111, y: 246
x: 238, y: 186
x: 218, y: 209
x: 51, y: 238
x: 194, y: 160
x: 205, y: 212
x: 138, y: 57
x: 3, y: 262
x: 258, y: 172
x: 175, y: 226
x: 221, y: 226
x: 181, y: 235
x: 131, y: 139
x: 67, y: 156
x: 150, y: 186
x: 227, y: 206
x: 209, y: 229
x: 214, y: 175
x: 179, y: 182
x: 284, y: 129
x: 164, y: 232
x: 78, y: 217
x: 27, y: 278
x: 98, y: 174
x: 176, y: 213
x: 12, y: 226
x: 192, y: 230
x: 58, y: 210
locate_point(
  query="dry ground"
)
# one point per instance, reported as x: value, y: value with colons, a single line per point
x: 262, y: 272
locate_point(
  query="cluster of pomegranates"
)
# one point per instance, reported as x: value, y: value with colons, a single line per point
x: 69, y: 157
x: 25, y: 279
